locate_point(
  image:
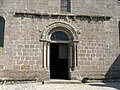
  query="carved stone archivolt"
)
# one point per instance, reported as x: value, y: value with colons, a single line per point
x: 65, y: 27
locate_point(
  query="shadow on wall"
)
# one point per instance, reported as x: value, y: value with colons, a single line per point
x: 114, y: 71
x: 113, y: 74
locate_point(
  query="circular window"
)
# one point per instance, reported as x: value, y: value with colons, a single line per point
x: 59, y: 36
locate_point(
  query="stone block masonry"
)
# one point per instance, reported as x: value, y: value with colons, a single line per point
x: 95, y: 23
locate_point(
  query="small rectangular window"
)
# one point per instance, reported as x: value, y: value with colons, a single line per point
x: 65, y: 5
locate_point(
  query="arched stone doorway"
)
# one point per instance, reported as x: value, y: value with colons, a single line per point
x: 60, y: 50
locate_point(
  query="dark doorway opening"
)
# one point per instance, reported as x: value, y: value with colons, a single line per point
x: 58, y: 61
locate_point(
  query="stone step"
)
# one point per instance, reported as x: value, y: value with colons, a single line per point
x: 59, y: 81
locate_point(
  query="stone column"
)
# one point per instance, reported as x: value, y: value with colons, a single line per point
x: 75, y: 55
x: 48, y: 56
x: 70, y: 56
x: 44, y: 52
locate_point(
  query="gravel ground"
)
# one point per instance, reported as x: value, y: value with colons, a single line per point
x: 39, y: 86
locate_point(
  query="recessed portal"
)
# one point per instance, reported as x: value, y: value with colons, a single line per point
x: 58, y: 61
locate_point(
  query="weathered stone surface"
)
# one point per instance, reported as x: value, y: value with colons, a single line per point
x: 97, y: 50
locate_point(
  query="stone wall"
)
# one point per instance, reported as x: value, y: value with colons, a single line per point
x: 95, y: 7
x: 97, y: 49
x: 87, y: 7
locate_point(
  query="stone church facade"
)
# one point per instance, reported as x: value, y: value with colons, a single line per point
x: 59, y: 39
